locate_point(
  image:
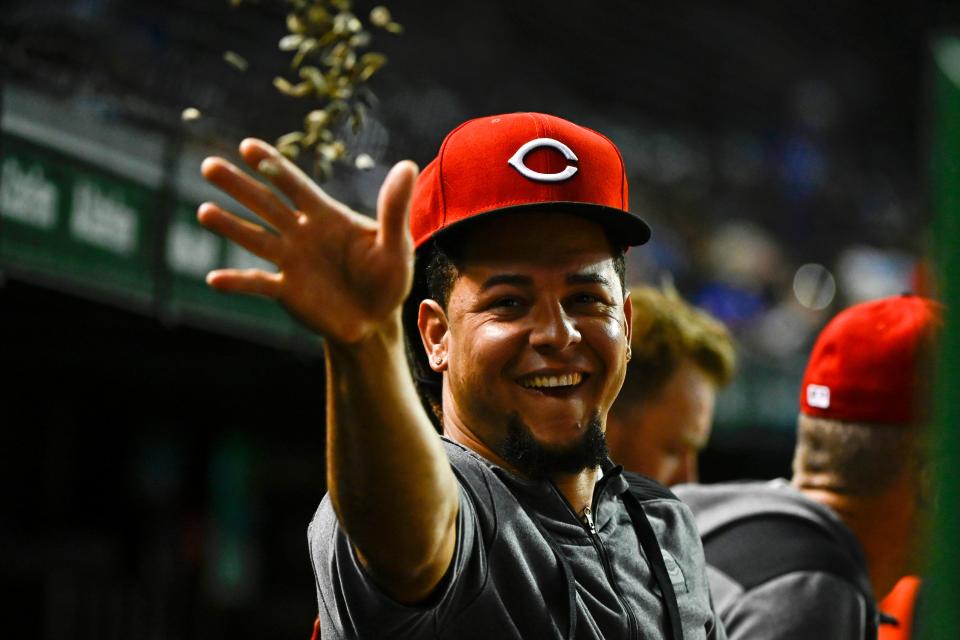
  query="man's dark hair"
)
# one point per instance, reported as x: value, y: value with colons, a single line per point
x: 436, y: 269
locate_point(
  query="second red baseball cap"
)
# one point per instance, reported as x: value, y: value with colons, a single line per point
x: 865, y: 365
x: 523, y: 161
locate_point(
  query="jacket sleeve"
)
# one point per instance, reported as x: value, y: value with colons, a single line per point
x: 798, y: 606
x: 351, y: 605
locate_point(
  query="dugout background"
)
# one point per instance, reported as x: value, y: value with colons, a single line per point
x: 162, y: 448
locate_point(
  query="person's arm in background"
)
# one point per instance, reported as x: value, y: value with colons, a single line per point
x: 345, y: 277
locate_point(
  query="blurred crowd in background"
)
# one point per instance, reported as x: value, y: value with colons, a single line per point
x: 777, y: 149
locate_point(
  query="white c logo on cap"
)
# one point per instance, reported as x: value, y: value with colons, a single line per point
x: 517, y: 160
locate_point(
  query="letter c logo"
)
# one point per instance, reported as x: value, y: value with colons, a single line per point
x: 516, y: 161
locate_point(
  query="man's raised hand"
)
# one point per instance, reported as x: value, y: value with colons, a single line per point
x: 340, y: 273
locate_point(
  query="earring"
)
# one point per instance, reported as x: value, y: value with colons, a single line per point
x: 438, y: 360
x: 629, y: 353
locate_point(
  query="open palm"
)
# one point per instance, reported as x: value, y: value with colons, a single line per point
x: 340, y: 273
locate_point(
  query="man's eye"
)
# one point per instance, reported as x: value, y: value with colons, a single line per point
x: 506, y: 303
x: 586, y: 298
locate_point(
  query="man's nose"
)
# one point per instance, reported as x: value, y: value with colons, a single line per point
x: 553, y: 328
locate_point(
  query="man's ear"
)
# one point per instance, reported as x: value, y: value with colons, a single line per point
x: 628, y: 316
x: 434, y: 330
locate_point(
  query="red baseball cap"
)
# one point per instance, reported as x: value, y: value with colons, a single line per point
x: 523, y: 161
x: 865, y: 363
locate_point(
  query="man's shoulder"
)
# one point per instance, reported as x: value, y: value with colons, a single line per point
x: 717, y: 505
x: 670, y: 515
x: 731, y: 499
x: 323, y: 526
x: 772, y: 553
x: 796, y: 606
x: 758, y: 511
x: 470, y: 468
x: 672, y: 523
x: 644, y: 488
x: 724, y: 491
x: 461, y: 454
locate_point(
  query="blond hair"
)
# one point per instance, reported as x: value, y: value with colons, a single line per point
x: 667, y: 331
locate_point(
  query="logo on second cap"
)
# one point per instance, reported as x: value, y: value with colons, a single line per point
x: 517, y: 160
x: 818, y: 396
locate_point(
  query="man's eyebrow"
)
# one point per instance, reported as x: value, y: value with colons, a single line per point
x: 588, y: 277
x: 506, y: 278
x: 583, y: 277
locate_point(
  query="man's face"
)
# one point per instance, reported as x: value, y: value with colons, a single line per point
x: 661, y: 437
x: 535, y: 333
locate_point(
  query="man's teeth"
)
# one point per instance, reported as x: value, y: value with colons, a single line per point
x: 545, y: 382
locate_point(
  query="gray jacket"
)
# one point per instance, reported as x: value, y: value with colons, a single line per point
x: 799, y: 605
x: 506, y: 581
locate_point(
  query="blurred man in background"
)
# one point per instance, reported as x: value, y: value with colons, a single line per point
x: 800, y: 560
x: 681, y: 358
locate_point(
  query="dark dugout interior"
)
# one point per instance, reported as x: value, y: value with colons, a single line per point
x: 157, y: 480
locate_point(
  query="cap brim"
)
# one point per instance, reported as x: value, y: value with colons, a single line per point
x: 623, y: 228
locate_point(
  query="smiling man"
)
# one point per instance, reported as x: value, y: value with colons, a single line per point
x: 515, y: 524
x: 532, y: 339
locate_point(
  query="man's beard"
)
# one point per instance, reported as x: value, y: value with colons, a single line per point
x: 538, y: 462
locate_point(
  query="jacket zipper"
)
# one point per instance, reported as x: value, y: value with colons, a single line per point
x: 605, y: 561
x: 591, y: 529
x: 588, y: 517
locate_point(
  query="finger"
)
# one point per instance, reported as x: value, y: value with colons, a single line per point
x: 250, y: 281
x: 249, y: 192
x: 305, y: 194
x: 248, y: 235
x: 393, y: 204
